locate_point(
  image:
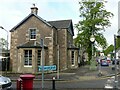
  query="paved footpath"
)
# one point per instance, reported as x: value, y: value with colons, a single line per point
x: 81, y: 73
x: 72, y: 75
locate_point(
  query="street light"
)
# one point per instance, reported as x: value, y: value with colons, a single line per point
x: 115, y: 38
x: 92, y: 66
x: 7, y: 45
x: 92, y: 38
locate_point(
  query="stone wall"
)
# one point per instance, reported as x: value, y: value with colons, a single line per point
x: 21, y: 36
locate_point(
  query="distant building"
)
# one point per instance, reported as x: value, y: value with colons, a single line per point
x: 26, y: 48
x: 4, y: 59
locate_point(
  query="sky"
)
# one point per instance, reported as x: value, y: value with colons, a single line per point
x: 14, y: 11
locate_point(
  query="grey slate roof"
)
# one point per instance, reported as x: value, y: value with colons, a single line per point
x: 31, y: 44
x: 26, y: 18
x: 61, y: 23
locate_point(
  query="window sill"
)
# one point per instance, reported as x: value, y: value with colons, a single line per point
x: 73, y: 65
x: 32, y: 39
x: 27, y: 66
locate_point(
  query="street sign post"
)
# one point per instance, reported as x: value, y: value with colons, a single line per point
x: 42, y: 44
x: 47, y: 68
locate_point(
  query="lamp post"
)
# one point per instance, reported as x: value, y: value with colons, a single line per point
x: 7, y: 45
x: 92, y: 66
x: 116, y: 81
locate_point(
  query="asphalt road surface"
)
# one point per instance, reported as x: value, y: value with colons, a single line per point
x: 91, y: 84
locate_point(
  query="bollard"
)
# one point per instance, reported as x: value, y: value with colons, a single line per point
x: 53, y: 84
x: 19, y: 84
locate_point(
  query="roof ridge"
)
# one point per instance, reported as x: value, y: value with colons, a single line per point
x: 60, y: 20
x: 20, y: 22
x: 44, y: 21
x: 61, y: 23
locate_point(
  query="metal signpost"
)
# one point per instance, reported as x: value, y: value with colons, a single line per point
x: 116, y: 78
x: 116, y: 81
x: 58, y: 63
x: 42, y: 44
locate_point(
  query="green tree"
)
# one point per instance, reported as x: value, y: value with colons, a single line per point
x: 118, y: 40
x: 109, y: 49
x: 94, y: 18
x: 3, y: 43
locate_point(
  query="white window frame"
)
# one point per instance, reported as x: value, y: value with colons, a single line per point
x: 34, y: 34
x: 28, y: 58
x: 73, y: 57
x: 39, y: 57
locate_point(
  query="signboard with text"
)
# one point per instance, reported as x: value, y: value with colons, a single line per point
x: 47, y: 68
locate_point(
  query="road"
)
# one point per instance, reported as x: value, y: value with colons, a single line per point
x: 91, y: 84
x: 75, y: 84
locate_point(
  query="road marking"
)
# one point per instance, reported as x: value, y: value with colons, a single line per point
x: 110, y: 83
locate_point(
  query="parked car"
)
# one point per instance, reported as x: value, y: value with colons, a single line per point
x: 104, y: 62
x: 5, y: 83
x: 117, y: 62
x: 109, y: 61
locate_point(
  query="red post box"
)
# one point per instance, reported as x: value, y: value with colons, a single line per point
x: 27, y: 81
x: 19, y: 82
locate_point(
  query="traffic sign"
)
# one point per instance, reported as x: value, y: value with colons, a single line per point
x: 47, y: 68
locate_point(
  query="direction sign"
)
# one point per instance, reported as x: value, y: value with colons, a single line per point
x: 47, y: 68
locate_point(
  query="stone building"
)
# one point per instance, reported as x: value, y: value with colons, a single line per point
x: 26, y: 46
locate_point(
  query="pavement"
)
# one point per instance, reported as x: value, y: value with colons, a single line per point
x: 81, y: 73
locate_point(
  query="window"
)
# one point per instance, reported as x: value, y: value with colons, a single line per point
x: 32, y: 33
x: 28, y: 57
x: 39, y: 58
x: 72, y: 57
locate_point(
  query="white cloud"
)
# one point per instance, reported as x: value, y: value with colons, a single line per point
x: 13, y: 11
x: 112, y: 6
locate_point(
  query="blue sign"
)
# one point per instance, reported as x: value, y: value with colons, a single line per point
x: 47, y: 68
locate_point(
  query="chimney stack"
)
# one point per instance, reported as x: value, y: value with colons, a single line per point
x: 34, y: 10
